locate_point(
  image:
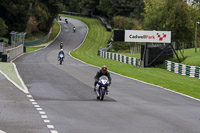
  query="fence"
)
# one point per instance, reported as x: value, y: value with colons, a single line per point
x: 37, y: 41
x: 186, y: 70
x: 118, y: 57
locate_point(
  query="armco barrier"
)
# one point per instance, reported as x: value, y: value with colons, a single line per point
x: 186, y: 70
x: 118, y: 57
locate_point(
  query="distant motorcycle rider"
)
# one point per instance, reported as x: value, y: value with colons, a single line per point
x: 61, y: 52
x: 61, y: 45
x: 74, y: 29
x: 100, y: 73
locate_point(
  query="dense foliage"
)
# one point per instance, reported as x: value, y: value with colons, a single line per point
x: 4, y: 28
x: 178, y: 16
x: 29, y: 16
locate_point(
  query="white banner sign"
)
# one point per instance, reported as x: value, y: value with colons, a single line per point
x: 148, y: 36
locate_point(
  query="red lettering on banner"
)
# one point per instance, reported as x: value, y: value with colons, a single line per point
x: 150, y: 37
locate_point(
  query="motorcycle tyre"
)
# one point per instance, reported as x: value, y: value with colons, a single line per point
x: 102, y: 94
x: 60, y: 61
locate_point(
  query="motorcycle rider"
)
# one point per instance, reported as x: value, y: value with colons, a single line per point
x: 66, y: 21
x: 61, y: 45
x: 74, y: 29
x: 61, y: 52
x: 100, y: 73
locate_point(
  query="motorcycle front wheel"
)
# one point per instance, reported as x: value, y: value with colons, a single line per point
x: 60, y: 61
x: 102, y: 94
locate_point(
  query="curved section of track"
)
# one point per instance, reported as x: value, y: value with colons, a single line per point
x: 66, y: 94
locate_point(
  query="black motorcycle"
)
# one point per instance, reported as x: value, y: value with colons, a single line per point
x: 66, y: 21
x: 61, y: 58
x: 74, y: 29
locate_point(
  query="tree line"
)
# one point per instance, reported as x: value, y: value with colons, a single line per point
x: 30, y: 16
x: 178, y: 16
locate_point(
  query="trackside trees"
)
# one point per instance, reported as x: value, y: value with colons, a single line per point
x: 181, y: 22
x: 29, y: 15
x: 14, y: 13
x: 4, y: 28
x: 172, y: 15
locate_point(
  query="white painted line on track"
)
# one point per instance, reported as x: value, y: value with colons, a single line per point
x: 39, y: 109
x: 50, y: 126
x: 2, y: 131
x: 32, y: 100
x: 46, y: 121
x: 29, y: 96
x: 54, y: 131
x: 25, y: 90
x: 13, y: 82
x: 34, y: 103
x: 42, y: 112
x: 37, y: 106
x: 141, y: 81
x: 44, y: 116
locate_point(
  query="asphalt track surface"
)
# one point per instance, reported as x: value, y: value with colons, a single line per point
x: 65, y: 92
x: 17, y: 114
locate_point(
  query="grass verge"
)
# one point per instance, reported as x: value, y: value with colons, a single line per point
x: 98, y: 37
x: 54, y: 33
x: 8, y: 68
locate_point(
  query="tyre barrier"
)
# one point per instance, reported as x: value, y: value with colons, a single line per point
x: 186, y: 70
x: 118, y: 57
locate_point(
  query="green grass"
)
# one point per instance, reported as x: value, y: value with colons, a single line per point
x: 98, y: 37
x: 9, y: 70
x: 30, y: 49
x: 55, y: 31
x: 192, y: 58
x: 55, y: 28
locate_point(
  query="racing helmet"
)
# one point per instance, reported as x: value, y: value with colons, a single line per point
x: 104, y: 69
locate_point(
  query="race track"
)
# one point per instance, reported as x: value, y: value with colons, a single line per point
x: 65, y: 93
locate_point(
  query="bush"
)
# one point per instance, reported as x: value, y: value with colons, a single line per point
x: 4, y: 28
x: 121, y: 46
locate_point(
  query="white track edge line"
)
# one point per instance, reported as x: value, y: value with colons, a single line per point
x: 13, y: 82
x: 22, y: 82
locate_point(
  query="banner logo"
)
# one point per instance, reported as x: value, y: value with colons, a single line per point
x: 147, y: 36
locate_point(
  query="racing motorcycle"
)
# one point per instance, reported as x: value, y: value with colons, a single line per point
x: 61, y: 58
x: 102, y: 84
x: 66, y: 21
x: 74, y: 29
